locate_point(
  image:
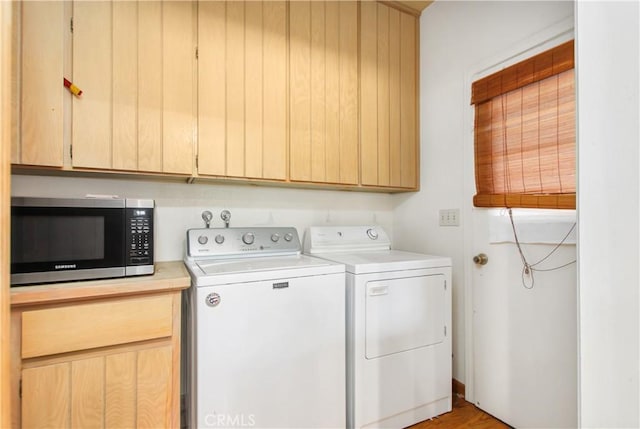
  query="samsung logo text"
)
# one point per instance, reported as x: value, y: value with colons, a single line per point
x: 65, y: 266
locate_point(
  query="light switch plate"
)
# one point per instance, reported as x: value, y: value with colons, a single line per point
x: 449, y: 217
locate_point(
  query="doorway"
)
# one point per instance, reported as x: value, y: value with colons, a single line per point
x: 521, y: 337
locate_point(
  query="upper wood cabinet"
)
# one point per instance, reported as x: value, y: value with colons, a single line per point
x: 304, y: 92
x: 323, y: 88
x: 242, y: 89
x: 388, y: 96
x: 134, y: 62
x: 39, y: 56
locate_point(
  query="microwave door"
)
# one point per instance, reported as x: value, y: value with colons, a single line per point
x: 66, y: 243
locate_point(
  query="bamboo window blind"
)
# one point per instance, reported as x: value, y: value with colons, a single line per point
x: 525, y: 133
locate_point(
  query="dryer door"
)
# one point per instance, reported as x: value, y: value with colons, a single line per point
x: 404, y: 314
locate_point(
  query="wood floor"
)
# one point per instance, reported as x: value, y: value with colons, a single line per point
x: 464, y: 415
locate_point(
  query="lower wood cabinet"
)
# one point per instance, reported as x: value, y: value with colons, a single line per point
x: 107, y: 362
x: 122, y: 389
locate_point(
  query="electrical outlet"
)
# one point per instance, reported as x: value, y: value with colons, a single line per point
x: 449, y: 217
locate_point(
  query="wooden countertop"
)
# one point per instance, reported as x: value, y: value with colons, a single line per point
x: 169, y: 276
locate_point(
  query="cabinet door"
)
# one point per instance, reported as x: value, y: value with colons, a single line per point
x: 388, y: 96
x: 41, y: 59
x: 323, y: 91
x: 134, y: 62
x: 92, y: 73
x: 68, y: 394
x: 178, y: 61
x: 242, y: 87
x: 46, y: 396
x: 127, y: 389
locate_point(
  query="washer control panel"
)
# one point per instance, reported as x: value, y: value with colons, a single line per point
x: 242, y: 242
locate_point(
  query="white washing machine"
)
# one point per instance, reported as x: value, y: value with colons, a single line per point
x: 267, y: 337
x: 398, y: 326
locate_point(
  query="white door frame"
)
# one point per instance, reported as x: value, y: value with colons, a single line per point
x: 553, y: 35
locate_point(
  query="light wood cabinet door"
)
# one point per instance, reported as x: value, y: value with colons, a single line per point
x: 323, y: 90
x: 134, y: 62
x: 388, y: 96
x: 40, y: 136
x: 128, y: 389
x: 46, y: 397
x: 242, y: 87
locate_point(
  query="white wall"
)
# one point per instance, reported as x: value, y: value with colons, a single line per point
x: 455, y: 37
x: 608, y: 46
x: 179, y: 205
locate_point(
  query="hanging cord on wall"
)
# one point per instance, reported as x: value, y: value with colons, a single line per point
x: 527, y: 268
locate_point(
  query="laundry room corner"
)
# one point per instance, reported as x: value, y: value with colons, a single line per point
x: 455, y: 37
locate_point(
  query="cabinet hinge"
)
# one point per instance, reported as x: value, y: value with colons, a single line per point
x: 445, y: 285
x: 71, y: 151
x: 445, y: 331
x: 196, y: 52
x: 20, y: 389
x: 71, y: 24
x: 196, y: 161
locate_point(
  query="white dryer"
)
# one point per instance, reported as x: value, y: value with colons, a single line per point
x: 398, y: 309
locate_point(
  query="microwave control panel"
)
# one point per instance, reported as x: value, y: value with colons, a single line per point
x: 139, y: 227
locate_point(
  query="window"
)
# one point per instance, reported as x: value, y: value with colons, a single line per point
x: 525, y: 133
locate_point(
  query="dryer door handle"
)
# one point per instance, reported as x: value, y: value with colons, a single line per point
x: 378, y: 290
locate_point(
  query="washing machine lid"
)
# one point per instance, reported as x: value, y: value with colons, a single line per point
x: 385, y: 260
x: 208, y: 272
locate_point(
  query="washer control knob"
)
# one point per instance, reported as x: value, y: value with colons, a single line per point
x: 275, y: 237
x: 248, y: 238
x: 203, y: 239
x: 372, y: 233
x: 288, y: 236
x: 219, y: 239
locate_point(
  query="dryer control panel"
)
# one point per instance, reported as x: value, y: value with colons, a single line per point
x: 242, y: 242
x: 328, y: 239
